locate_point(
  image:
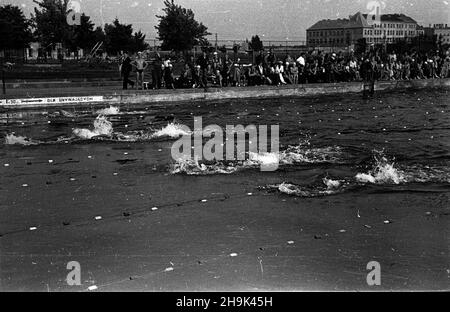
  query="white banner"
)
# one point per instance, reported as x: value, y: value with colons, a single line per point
x: 57, y: 100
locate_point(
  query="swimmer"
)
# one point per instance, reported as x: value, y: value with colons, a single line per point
x: 140, y: 64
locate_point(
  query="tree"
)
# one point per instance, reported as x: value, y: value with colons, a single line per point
x: 50, y: 18
x: 120, y: 37
x: 360, y: 46
x: 98, y: 35
x: 139, y: 43
x: 178, y: 30
x: 256, y: 44
x: 15, y: 32
x: 222, y: 49
x: 236, y: 48
x: 83, y: 34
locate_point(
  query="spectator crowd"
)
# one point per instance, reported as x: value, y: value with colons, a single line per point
x: 269, y: 69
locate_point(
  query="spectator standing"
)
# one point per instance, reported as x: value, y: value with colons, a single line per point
x: 301, y: 60
x: 126, y: 69
x: 271, y: 58
x: 157, y: 72
x: 225, y: 71
x: 203, y: 61
x: 217, y: 66
x: 294, y: 73
x: 168, y: 75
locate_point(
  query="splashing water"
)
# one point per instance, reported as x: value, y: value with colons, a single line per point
x: 172, y: 130
x: 304, y: 154
x: 133, y: 136
x: 66, y: 114
x: 193, y: 167
x: 291, y: 189
x: 292, y: 155
x: 263, y: 159
x: 101, y: 127
x: 332, y: 187
x: 111, y: 110
x: 12, y: 139
x: 331, y: 184
x: 383, y: 172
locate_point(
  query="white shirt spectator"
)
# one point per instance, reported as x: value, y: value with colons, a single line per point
x: 301, y: 60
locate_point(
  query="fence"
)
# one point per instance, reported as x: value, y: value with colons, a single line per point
x: 229, y: 43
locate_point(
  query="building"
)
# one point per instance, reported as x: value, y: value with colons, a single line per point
x: 387, y: 28
x: 36, y: 51
x: 12, y: 55
x: 441, y: 31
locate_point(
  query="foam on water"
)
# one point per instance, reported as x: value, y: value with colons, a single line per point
x: 383, y: 172
x: 172, y: 130
x: 66, y: 114
x: 101, y: 127
x: 304, y: 154
x: 262, y: 159
x: 292, y: 155
x: 111, y: 110
x: 331, y: 184
x: 193, y: 167
x: 328, y: 187
x: 12, y: 139
x: 133, y: 136
x: 427, y: 174
x: 103, y: 130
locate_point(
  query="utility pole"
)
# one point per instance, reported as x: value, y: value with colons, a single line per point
x: 3, y: 80
x: 216, y: 42
x: 3, y: 77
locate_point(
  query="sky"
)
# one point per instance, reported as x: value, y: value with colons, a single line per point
x: 241, y: 19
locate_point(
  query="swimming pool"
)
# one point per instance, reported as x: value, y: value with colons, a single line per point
x: 347, y: 165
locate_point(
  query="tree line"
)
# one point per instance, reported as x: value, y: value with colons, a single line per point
x: 48, y: 26
x: 177, y: 30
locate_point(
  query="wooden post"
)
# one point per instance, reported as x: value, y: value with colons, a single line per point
x: 3, y: 79
x: 216, y: 42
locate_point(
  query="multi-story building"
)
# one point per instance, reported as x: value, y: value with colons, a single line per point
x: 385, y: 28
x: 441, y: 31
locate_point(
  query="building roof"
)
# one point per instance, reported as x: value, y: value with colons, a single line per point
x: 330, y: 24
x: 398, y: 18
x: 354, y: 21
x: 358, y: 20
